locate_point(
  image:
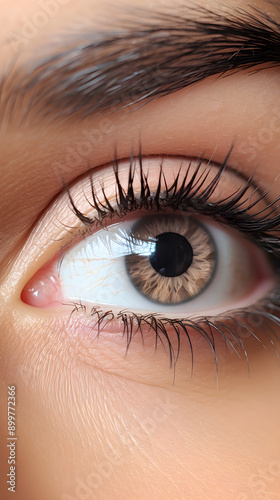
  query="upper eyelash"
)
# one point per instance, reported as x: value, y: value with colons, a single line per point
x: 190, y: 196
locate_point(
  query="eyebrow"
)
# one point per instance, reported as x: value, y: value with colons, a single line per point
x: 151, y: 55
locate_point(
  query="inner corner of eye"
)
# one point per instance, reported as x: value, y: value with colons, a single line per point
x: 44, y: 289
x: 171, y: 264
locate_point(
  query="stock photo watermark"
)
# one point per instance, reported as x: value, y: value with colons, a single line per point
x: 86, y: 488
x: 263, y: 483
x: 254, y: 144
x: 31, y: 26
x: 11, y: 439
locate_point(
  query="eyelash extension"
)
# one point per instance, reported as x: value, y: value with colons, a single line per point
x: 192, y: 195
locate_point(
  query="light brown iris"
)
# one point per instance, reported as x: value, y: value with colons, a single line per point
x: 177, y: 289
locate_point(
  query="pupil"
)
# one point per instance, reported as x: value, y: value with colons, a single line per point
x: 173, y: 254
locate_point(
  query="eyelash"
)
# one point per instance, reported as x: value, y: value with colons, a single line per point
x: 193, y: 197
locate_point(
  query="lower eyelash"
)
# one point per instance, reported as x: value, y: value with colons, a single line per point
x: 262, y: 315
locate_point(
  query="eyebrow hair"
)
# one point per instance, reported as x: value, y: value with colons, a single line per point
x: 142, y: 60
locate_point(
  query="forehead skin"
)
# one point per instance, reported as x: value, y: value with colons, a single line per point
x: 127, y: 429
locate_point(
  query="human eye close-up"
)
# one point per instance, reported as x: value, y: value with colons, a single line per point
x: 139, y: 250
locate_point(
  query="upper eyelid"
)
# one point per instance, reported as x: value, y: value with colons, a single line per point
x: 51, y: 234
x: 262, y: 195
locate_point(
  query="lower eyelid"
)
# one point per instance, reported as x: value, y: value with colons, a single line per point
x: 95, y: 341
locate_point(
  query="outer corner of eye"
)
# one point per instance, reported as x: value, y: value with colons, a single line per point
x: 43, y: 290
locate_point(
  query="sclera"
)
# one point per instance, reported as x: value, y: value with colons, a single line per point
x: 242, y: 276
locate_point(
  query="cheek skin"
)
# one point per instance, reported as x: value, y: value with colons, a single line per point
x: 132, y: 431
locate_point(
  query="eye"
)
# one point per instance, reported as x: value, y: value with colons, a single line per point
x: 166, y: 251
x: 169, y: 264
x: 173, y: 264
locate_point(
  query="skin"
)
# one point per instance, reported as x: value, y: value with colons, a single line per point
x: 92, y: 423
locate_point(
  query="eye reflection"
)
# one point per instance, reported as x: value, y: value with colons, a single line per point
x: 181, y: 260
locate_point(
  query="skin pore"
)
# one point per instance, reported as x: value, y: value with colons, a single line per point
x: 92, y: 422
